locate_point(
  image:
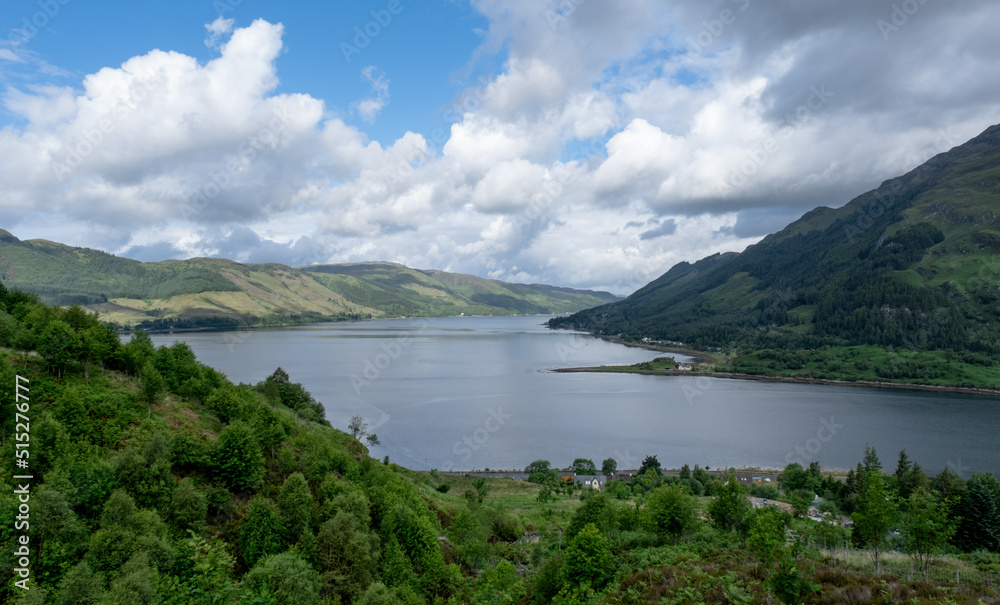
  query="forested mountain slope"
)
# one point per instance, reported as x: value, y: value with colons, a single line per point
x: 910, y: 264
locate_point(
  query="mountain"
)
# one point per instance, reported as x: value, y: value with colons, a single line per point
x: 911, y: 264
x: 215, y: 292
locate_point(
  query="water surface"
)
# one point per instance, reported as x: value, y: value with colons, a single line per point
x: 475, y: 393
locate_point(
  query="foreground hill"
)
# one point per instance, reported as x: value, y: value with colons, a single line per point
x: 911, y: 264
x: 147, y: 478
x: 214, y: 292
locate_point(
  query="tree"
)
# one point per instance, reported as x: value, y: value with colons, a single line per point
x: 189, y: 505
x: 151, y: 383
x: 650, y: 463
x: 81, y: 586
x: 671, y: 512
x: 136, y: 583
x: 873, y: 516
x: 927, y: 527
x: 345, y: 556
x: 685, y: 473
x: 609, y: 467
x: 59, y: 345
x: 482, y: 488
x: 358, y: 427
x: 261, y: 532
x: 583, y: 466
x: 540, y: 471
x: 766, y: 535
x: 731, y: 506
x: 296, y: 504
x: 238, y: 457
x: 288, y: 578
x: 596, y: 510
x: 979, y: 509
x: 588, y: 559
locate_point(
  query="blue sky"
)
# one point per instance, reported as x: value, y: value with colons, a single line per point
x: 582, y: 143
x: 424, y: 50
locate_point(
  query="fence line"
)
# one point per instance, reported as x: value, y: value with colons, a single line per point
x: 941, y: 570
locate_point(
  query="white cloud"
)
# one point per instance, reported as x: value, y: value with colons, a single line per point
x: 217, y: 29
x: 369, y: 107
x: 695, y: 154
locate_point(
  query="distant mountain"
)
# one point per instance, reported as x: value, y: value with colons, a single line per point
x: 913, y: 263
x: 213, y: 292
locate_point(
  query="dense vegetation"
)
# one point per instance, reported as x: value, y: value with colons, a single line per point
x: 158, y: 481
x: 911, y: 265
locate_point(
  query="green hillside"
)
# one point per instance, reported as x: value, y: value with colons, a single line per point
x: 147, y: 478
x: 212, y: 292
x: 912, y: 264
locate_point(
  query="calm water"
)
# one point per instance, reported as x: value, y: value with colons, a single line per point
x: 474, y: 393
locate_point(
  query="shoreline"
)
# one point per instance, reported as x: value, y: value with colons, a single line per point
x: 788, y: 379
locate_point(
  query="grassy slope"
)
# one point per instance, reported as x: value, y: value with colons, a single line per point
x: 128, y: 292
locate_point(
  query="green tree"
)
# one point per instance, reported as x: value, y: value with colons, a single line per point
x: 609, y: 467
x: 287, y: 577
x: 151, y: 386
x: 135, y: 584
x: 979, y: 509
x: 227, y: 403
x: 588, y: 559
x: 188, y: 505
x: 379, y: 594
x: 731, y: 506
x: 469, y: 535
x: 597, y: 510
x: 671, y: 512
x: 927, y: 527
x: 346, y: 557
x: 59, y: 345
x: 297, y: 507
x: 583, y: 466
x: 261, y: 532
x: 238, y: 457
x: 873, y: 517
x: 267, y: 428
x: 81, y: 586
x: 766, y: 535
x: 650, y: 463
x: 482, y: 487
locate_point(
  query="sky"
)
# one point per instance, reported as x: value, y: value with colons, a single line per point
x: 581, y: 143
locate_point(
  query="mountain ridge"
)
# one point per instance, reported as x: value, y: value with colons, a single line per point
x: 209, y: 292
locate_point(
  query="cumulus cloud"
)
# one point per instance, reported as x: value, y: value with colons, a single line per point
x: 616, y: 140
